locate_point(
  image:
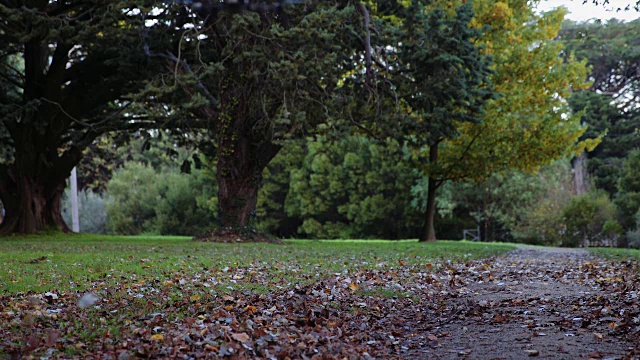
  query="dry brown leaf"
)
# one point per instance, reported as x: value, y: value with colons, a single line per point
x: 532, y: 352
x: 241, y: 337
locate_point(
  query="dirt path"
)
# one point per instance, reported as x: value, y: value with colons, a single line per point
x: 538, y: 302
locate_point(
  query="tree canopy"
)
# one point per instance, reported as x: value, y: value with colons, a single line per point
x: 612, y: 50
x: 419, y: 72
x: 66, y: 68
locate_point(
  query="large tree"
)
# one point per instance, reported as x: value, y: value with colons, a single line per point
x: 65, y: 70
x: 610, y: 108
x: 530, y: 124
x: 262, y: 78
x: 447, y: 86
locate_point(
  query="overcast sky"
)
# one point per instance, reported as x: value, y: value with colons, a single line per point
x: 581, y: 12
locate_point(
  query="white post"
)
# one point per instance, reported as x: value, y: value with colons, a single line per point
x: 75, y: 219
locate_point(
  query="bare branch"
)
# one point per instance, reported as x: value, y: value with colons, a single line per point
x: 367, y: 41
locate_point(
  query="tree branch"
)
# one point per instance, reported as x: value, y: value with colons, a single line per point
x: 367, y: 41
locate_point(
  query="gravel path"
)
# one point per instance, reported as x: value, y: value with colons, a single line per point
x: 540, y: 302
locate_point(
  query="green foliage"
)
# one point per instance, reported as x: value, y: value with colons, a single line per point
x: 541, y: 223
x: 448, y: 77
x: 610, y: 107
x: 67, y: 72
x: 354, y: 188
x: 258, y: 80
x: 618, y: 130
x: 612, y: 49
x: 628, y: 198
x: 589, y: 220
x: 497, y: 205
x: 271, y: 214
x: 157, y: 149
x: 633, y: 236
x: 552, y: 215
x: 143, y: 200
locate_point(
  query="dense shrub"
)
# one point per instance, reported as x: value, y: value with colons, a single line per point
x: 271, y: 214
x: 589, y: 220
x: 633, y: 236
x: 353, y: 188
x: 166, y: 202
x: 628, y: 197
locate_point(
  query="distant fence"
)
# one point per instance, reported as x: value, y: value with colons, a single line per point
x: 471, y: 234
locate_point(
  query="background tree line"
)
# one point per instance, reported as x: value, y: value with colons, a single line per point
x: 334, y: 119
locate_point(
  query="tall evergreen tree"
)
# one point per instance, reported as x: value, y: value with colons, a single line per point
x: 612, y: 50
x: 448, y: 83
x: 65, y: 70
x: 262, y: 78
x: 530, y: 124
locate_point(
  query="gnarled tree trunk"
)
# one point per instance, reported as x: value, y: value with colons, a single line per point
x: 32, y: 204
x: 31, y: 187
x: 241, y: 160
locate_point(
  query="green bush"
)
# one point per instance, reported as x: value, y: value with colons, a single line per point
x: 544, y: 224
x: 537, y: 205
x: 633, y: 239
x: 589, y: 220
x: 353, y: 188
x: 165, y: 202
x: 633, y: 236
x: 628, y: 197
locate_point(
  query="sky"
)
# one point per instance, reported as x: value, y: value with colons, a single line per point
x: 583, y: 12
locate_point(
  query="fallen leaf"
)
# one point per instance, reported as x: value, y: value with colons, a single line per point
x: 499, y: 319
x: 242, y: 337
x: 354, y: 287
x: 157, y: 337
x: 35, y: 261
x: 52, y: 337
x: 532, y: 352
x: 595, y: 355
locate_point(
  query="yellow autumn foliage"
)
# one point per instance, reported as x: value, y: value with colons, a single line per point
x: 530, y: 125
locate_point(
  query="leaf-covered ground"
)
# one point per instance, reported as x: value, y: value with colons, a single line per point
x: 533, y: 302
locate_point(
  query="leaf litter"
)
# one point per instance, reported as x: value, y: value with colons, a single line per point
x: 533, y: 302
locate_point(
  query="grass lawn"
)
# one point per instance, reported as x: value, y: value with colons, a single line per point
x: 79, y: 263
x: 85, y: 296
x: 617, y: 254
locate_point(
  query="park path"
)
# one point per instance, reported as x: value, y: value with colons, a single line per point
x: 549, y: 303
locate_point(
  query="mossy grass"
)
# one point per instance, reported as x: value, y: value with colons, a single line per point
x: 617, y: 254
